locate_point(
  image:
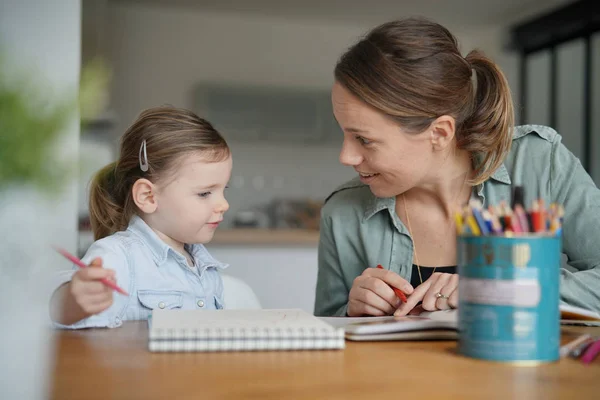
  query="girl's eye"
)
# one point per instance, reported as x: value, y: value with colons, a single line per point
x: 362, y: 140
x: 204, y: 194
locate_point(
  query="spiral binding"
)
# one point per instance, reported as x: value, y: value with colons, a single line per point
x: 246, y: 339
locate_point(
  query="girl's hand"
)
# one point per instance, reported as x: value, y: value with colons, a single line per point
x: 371, y: 293
x: 439, y: 292
x: 91, y: 295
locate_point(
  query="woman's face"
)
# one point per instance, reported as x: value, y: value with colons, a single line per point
x: 387, y: 158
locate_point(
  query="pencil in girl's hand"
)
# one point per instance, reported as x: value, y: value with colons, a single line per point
x: 80, y: 264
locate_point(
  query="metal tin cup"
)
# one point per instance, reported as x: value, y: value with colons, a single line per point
x: 509, y: 298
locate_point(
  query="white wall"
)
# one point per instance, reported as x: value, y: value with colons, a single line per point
x: 159, y: 53
x: 283, y: 277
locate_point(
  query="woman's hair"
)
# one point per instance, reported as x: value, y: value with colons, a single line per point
x: 170, y: 133
x: 412, y: 71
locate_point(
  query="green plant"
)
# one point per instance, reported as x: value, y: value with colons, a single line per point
x: 32, y: 121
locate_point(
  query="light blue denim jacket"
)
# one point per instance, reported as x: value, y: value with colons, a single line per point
x: 359, y: 230
x: 153, y: 274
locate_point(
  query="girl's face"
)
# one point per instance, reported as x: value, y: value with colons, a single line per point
x: 192, y: 202
x: 386, y: 158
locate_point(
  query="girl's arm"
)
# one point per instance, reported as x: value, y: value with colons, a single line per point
x: 82, y: 301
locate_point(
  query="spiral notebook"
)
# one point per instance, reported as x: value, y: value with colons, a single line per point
x: 240, y: 330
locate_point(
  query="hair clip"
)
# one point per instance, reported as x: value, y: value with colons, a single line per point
x: 144, y: 161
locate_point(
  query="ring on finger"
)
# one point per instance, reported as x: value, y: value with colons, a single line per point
x: 441, y: 301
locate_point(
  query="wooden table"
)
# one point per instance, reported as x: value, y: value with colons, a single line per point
x: 115, y: 364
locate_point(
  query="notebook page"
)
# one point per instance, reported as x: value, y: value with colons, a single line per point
x: 234, y: 319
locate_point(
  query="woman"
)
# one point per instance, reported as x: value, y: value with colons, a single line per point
x: 426, y: 130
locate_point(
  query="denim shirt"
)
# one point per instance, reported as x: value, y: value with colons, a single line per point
x: 154, y: 275
x: 359, y: 230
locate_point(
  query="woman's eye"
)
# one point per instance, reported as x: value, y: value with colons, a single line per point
x: 204, y: 194
x: 362, y: 140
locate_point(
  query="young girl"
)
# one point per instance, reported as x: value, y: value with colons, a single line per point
x: 151, y: 211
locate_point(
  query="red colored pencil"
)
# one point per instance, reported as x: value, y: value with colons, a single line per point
x: 80, y: 264
x: 537, y: 218
x: 398, y: 292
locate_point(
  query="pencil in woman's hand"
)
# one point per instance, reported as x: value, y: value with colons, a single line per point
x: 398, y: 292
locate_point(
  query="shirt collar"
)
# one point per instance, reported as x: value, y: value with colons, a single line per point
x: 203, y: 258
x: 376, y: 204
x: 501, y: 175
x: 157, y: 247
x: 160, y: 250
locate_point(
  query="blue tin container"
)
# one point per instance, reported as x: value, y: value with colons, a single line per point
x: 509, y: 298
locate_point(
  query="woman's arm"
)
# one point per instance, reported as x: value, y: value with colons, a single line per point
x: 346, y: 285
x: 331, y: 294
x: 574, y: 188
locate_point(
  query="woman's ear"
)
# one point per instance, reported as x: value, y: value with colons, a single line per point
x: 143, y: 193
x: 442, y: 132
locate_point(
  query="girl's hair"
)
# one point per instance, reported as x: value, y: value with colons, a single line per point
x: 412, y: 71
x: 170, y: 133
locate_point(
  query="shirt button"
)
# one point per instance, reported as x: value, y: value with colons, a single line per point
x: 200, y: 303
x: 161, y: 304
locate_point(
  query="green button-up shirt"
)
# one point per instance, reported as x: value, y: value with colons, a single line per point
x: 359, y: 230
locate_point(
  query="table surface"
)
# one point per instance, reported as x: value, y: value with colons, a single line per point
x: 115, y: 364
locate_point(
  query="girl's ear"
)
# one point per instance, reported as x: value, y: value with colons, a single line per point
x: 442, y: 132
x: 144, y: 196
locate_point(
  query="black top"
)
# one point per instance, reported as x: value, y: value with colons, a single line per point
x: 426, y: 273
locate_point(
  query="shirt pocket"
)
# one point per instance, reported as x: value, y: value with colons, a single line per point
x: 161, y: 299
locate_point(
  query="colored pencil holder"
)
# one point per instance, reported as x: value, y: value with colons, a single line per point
x: 509, y: 298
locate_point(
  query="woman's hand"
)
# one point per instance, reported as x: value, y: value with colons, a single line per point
x: 371, y: 293
x: 439, y: 292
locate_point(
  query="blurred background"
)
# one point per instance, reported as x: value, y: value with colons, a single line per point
x: 261, y: 71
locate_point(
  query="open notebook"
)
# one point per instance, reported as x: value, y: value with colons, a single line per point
x: 437, y: 325
x: 240, y: 330
x: 570, y: 315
